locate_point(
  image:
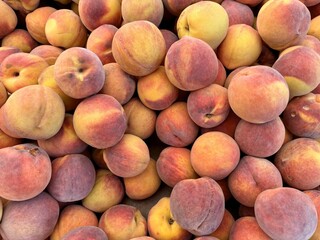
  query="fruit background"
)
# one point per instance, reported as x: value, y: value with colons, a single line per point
x: 159, y: 119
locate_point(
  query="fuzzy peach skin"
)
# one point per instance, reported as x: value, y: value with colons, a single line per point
x: 242, y: 46
x: 24, y: 181
x: 276, y: 213
x: 314, y: 194
x: 8, y: 23
x: 122, y: 222
x: 169, y: 37
x: 191, y: 64
x: 314, y: 28
x: 23, y: 6
x: 8, y: 141
x: 85, y: 232
x: 107, y: 191
x: 238, y: 13
x: 161, y: 224
x: 222, y: 74
x: 100, y: 40
x: 156, y: 91
x: 289, y: 23
x: 21, y: 69
x: 208, y: 106
x: 217, y: 162
x: 73, y: 34
x: 95, y: 13
x: 256, y: 86
x: 197, y: 205
x: 48, y: 52
x: 223, y: 231
x: 193, y: 21
x: 252, y: 176
x: 129, y: 157
x: 26, y: 219
x: 176, y: 7
x: 298, y: 163
x: 312, y: 42
x: 305, y: 76
x: 138, y: 47
x: 3, y: 94
x: 33, y: 112
x: 36, y: 22
x: 107, y: 123
x: 6, y: 51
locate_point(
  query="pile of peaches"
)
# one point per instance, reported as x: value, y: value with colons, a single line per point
x: 159, y: 119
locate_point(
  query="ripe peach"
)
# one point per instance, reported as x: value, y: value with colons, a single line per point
x: 8, y: 141
x: 315, y: 197
x: 176, y: 7
x: 312, y: 42
x: 21, y: 39
x: 23, y: 7
x: 314, y: 29
x: 239, y: 13
x: 6, y: 51
x: 169, y: 37
x: 222, y: 74
x: 85, y: 232
x: 223, y: 231
x: 48, y: 52
x: 3, y: 94
x: 8, y: 23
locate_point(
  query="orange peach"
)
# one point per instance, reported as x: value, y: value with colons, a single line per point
x: 223, y: 231
x: 47, y: 52
x: 239, y: 13
x: 21, y: 39
x: 8, y: 23
x: 8, y: 141
x: 314, y: 29
x: 23, y: 6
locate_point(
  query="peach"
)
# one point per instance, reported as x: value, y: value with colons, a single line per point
x: 288, y: 25
x: 8, y: 23
x: 129, y: 157
x: 231, y: 75
x: 85, y: 232
x: 161, y: 224
x: 141, y: 120
x: 169, y: 37
x: 72, y: 217
x: 222, y: 74
x: 73, y: 34
x: 151, y: 10
x: 118, y: 83
x: 310, y: 3
x: 314, y: 29
x: 217, y: 162
x: 24, y: 181
x: 21, y: 69
x: 143, y: 238
x: 94, y: 13
x: 3, y: 94
x: 256, y: 86
x: 174, y: 165
x: 239, y: 13
x: 79, y: 72
x: 188, y: 59
x: 247, y: 226
x: 244, y: 211
x: 208, y: 106
x: 298, y: 163
x: 26, y: 219
x: 21, y: 39
x: 36, y: 22
x: 176, y: 7
x: 8, y: 141
x: 107, y: 191
x: 48, y: 52
x: 100, y: 40
x: 33, y: 112
x: 156, y: 91
x: 315, y: 197
x: 23, y: 6
x: 242, y: 46
x: 193, y: 21
x: 305, y: 76
x: 312, y: 42
x: 6, y: 51
x: 107, y: 121
x: 260, y: 140
x: 314, y: 10
x: 174, y: 126
x: 73, y: 177
x: 122, y: 221
x: 206, y: 238
x: 197, y: 205
x: 267, y: 56
x: 1, y: 208
x: 252, y: 176
x: 277, y: 215
x: 301, y: 116
x: 223, y: 231
x: 138, y: 47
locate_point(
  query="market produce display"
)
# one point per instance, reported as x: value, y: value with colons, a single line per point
x: 159, y: 119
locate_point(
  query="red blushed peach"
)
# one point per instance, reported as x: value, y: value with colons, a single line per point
x: 139, y: 47
x: 8, y: 23
x: 156, y: 91
x: 24, y: 181
x: 73, y: 177
x: 315, y: 197
x: 96, y: 13
x: 223, y: 231
x: 174, y: 165
x: 123, y: 221
x: 36, y: 21
x: 19, y: 38
x: 71, y: 217
x: 267, y: 56
x: 277, y: 215
x: 79, y: 72
x: 6, y: 51
x: 118, y: 83
x: 33, y: 112
x: 191, y: 64
x: 174, y: 126
x: 175, y: 7
x: 26, y: 219
x: 217, y: 162
x: 206, y: 238
x: 298, y: 163
x: 24, y: 6
x: 169, y: 37
x: 311, y: 42
x: 222, y: 74
x: 252, y: 176
x: 305, y: 76
x: 129, y: 157
x: 8, y: 141
x: 100, y: 40
x: 288, y: 25
x: 143, y: 238
x: 256, y: 86
x: 239, y: 13
x: 197, y: 205
x: 48, y: 52
x: 301, y: 116
x: 260, y: 140
x: 107, y: 123
x: 85, y: 232
x: 208, y: 106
